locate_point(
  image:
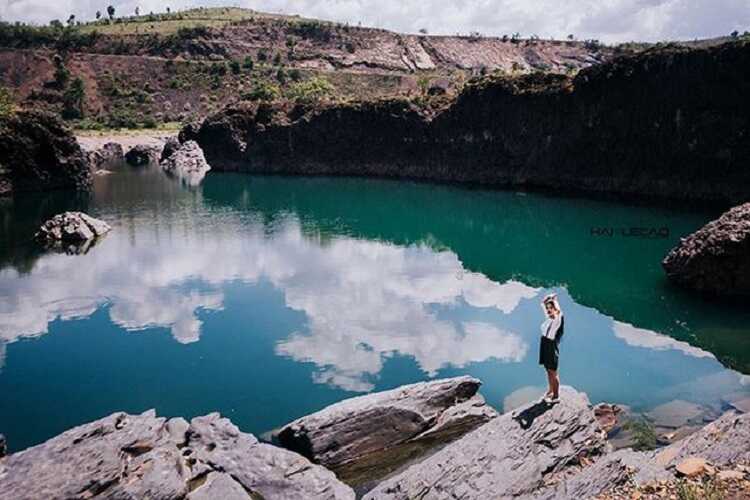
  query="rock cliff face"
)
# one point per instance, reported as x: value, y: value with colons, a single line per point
x: 38, y: 153
x: 666, y: 123
x: 363, y: 438
x: 143, y: 456
x: 716, y: 258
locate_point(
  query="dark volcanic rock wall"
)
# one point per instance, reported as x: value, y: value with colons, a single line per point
x: 667, y: 123
x: 37, y: 152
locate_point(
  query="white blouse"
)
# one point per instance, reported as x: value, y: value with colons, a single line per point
x: 551, y: 326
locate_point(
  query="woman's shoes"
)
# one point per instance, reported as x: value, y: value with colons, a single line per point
x: 550, y: 400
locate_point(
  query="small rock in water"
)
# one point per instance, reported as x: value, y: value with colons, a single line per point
x: 71, y: 231
x: 188, y: 163
x: 108, y: 154
x: 3, y: 446
x: 141, y: 155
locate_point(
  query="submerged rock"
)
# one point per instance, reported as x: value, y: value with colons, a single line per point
x: 72, y: 232
x: 108, y: 154
x: 511, y: 455
x: 365, y: 437
x: 716, y: 258
x: 142, y: 154
x: 187, y: 163
x: 3, y: 446
x: 144, y: 456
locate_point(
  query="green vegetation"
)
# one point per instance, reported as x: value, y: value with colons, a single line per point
x: 311, y: 91
x: 24, y: 36
x: 6, y: 103
x: 73, y: 99
x: 263, y: 91
x: 643, y: 434
x: 709, y: 490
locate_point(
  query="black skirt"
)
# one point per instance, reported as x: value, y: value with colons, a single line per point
x: 549, y: 353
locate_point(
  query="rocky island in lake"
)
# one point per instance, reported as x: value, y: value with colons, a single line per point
x: 262, y: 255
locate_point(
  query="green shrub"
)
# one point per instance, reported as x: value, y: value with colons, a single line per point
x: 311, y: 91
x: 262, y: 91
x: 248, y: 63
x: 235, y: 67
x: 73, y: 99
x: 643, y: 434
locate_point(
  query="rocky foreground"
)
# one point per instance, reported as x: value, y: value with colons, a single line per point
x: 37, y: 152
x: 716, y: 258
x: 638, y: 126
x: 538, y: 451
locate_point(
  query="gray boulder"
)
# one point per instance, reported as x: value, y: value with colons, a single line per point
x: 187, y: 163
x: 716, y: 258
x: 142, y: 154
x: 110, y: 153
x: 366, y: 437
x: 73, y: 232
x: 514, y: 454
x: 143, y: 456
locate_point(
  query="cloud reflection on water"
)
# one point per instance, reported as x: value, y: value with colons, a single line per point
x: 363, y: 300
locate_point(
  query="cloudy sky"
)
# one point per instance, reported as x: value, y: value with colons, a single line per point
x: 607, y: 20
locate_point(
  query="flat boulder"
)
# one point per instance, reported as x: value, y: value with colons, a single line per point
x: 514, y: 454
x: 145, y: 456
x: 142, y: 154
x: 366, y: 437
x: 187, y: 163
x: 716, y: 258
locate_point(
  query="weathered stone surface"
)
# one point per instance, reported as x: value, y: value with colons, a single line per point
x: 171, y: 145
x: 513, y: 454
x: 691, y: 467
x: 72, y: 232
x: 609, y: 471
x: 37, y: 152
x: 606, y: 414
x: 142, y: 154
x: 722, y: 442
x: 144, y: 456
x: 716, y: 258
x: 187, y: 163
x: 365, y: 437
x: 109, y: 153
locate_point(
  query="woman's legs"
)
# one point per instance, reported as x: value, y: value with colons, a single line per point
x: 554, y: 383
x: 550, y: 384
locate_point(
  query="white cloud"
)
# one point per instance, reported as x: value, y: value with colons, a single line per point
x: 639, y: 337
x: 608, y: 20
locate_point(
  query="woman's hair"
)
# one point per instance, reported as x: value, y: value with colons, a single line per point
x: 552, y: 299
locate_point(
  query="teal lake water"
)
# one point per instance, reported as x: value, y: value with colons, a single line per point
x: 267, y: 298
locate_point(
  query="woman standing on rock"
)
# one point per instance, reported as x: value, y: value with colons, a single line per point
x: 549, y: 348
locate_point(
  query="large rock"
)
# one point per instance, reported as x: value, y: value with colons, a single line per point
x: 171, y: 145
x: 187, y: 163
x: 364, y: 438
x: 144, y: 456
x: 513, y: 454
x: 37, y: 152
x: 142, y: 154
x: 716, y: 258
x: 108, y: 154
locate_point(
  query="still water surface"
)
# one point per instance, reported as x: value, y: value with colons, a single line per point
x: 267, y: 298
